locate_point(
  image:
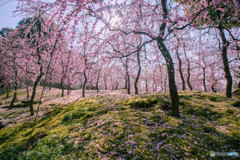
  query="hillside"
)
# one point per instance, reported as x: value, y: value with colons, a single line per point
x: 117, y: 126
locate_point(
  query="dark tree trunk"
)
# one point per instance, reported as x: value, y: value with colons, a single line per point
x: 97, y: 88
x: 138, y: 74
x: 239, y: 84
x: 188, y: 78
x: 36, y: 83
x: 34, y: 91
x: 188, y: 70
x: 213, y: 89
x: 228, y: 75
x: 180, y: 70
x: 171, y: 77
x: 68, y: 92
x: 105, y: 83
x: 15, y: 83
x: 125, y: 82
x: 98, y: 77
x: 84, y: 83
x: 204, y: 79
x: 84, y: 74
x: 128, y: 82
x: 90, y: 86
x: 69, y: 86
x: 49, y: 86
x: 7, y: 95
x: 154, y: 83
x: 14, y: 96
x: 49, y: 83
x: 146, y: 85
x: 62, y: 86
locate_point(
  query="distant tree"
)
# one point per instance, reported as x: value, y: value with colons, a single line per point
x: 4, y: 32
x: 180, y: 64
x: 36, y: 34
x: 221, y: 15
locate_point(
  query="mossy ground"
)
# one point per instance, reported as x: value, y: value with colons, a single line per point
x: 20, y: 111
x: 117, y: 127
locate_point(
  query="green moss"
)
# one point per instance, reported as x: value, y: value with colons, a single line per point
x: 236, y: 104
x: 112, y: 127
x: 216, y: 98
x: 230, y: 111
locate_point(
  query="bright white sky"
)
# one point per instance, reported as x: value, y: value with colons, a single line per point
x: 6, y: 16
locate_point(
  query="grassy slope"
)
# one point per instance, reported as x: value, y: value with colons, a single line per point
x: 20, y: 111
x: 114, y: 127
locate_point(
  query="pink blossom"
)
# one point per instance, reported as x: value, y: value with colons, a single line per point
x: 76, y: 142
x: 164, y: 134
x: 130, y: 136
x: 116, y: 124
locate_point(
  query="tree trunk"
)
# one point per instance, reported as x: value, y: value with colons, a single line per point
x: 105, y: 83
x: 204, y: 79
x: 165, y: 83
x: 146, y: 85
x: 125, y: 82
x: 98, y: 77
x: 213, y: 89
x: 14, y: 96
x: 34, y: 91
x: 188, y: 78
x: 49, y: 83
x: 180, y: 71
x: 128, y: 86
x: 171, y: 77
x: 49, y: 86
x: 15, y: 83
x: 138, y: 74
x: 84, y: 83
x: 228, y: 75
x: 188, y: 70
x: 68, y: 92
x: 97, y: 88
x: 239, y: 84
x: 62, y: 79
x: 7, y: 95
x: 36, y: 83
x: 62, y: 87
x: 154, y: 83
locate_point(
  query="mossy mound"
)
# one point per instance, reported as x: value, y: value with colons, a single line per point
x: 116, y: 128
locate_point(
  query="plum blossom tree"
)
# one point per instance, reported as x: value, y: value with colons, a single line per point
x: 221, y: 15
x: 123, y: 23
x: 11, y: 63
x: 4, y: 43
x: 98, y: 10
x: 37, y: 38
